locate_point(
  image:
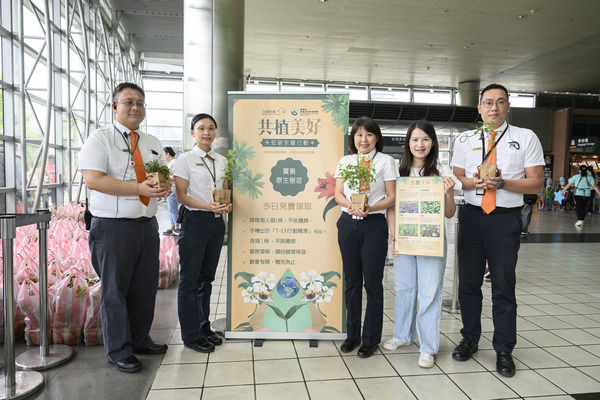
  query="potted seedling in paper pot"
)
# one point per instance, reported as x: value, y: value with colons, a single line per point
x: 159, y: 172
x: 358, y: 178
x: 223, y: 196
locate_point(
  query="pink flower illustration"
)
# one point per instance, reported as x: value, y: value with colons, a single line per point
x: 326, y: 187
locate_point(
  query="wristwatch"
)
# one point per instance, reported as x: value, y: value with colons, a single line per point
x: 501, y: 185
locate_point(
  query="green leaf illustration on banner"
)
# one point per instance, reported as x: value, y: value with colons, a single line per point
x: 287, y: 312
x: 247, y: 183
x: 239, y: 172
x: 332, y: 204
x: 338, y: 105
x: 329, y: 329
x: 244, y: 153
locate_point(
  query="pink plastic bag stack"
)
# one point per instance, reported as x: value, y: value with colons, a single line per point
x: 28, y: 301
x: 70, y: 308
x: 92, y: 328
x: 169, y: 262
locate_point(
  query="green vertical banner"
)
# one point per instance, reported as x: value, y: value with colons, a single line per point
x: 284, y: 266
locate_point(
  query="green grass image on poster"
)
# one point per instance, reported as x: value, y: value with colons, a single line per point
x: 430, y: 207
x: 408, y: 230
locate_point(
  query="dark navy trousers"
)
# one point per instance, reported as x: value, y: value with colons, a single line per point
x: 125, y: 257
x: 200, y: 242
x: 495, y: 237
x: 363, y: 245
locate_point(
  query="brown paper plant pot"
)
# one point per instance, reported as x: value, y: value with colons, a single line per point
x: 163, y: 182
x: 222, y: 196
x: 359, y: 201
x: 487, y: 171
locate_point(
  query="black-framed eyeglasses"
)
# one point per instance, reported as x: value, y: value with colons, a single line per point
x: 130, y: 104
x: 487, y: 104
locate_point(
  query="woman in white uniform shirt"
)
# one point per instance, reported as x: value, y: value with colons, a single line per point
x: 198, y: 173
x: 420, y: 277
x: 363, y: 241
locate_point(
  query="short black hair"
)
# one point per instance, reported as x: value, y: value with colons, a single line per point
x: 169, y: 150
x: 491, y: 87
x: 200, y: 116
x: 126, y: 85
x: 370, y: 126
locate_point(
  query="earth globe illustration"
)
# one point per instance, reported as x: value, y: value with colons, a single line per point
x: 288, y: 287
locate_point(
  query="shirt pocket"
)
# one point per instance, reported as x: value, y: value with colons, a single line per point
x: 512, y: 165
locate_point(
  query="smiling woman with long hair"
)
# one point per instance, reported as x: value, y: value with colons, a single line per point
x: 419, y: 279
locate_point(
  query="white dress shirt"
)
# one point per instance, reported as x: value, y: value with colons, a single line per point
x: 385, y: 170
x: 106, y: 150
x: 198, y: 170
x: 518, y: 149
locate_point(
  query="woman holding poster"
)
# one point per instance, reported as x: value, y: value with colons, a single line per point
x: 419, y: 279
x: 363, y: 233
x: 198, y: 173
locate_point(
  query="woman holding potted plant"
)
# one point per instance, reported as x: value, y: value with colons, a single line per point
x: 420, y: 277
x: 198, y: 173
x: 363, y: 232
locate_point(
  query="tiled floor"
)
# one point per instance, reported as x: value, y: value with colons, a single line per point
x: 557, y: 354
x: 558, y: 350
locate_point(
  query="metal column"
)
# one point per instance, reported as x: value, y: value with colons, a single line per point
x: 451, y: 305
x: 47, y: 356
x: 23, y: 383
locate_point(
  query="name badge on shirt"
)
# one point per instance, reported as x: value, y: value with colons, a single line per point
x: 476, y: 149
x: 199, y: 164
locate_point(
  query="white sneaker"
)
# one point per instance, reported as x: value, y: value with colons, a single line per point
x: 579, y: 222
x: 394, y: 344
x: 425, y: 360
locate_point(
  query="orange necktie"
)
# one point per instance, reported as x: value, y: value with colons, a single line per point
x: 488, y: 202
x: 365, y: 186
x: 140, y: 172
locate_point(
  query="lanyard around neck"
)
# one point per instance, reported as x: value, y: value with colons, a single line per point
x: 484, y: 155
x: 213, y: 173
x: 125, y: 135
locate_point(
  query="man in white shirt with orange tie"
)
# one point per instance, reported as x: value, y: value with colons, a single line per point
x: 124, y: 240
x: 490, y: 222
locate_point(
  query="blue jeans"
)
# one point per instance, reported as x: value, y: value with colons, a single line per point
x: 419, y: 278
x: 172, y: 206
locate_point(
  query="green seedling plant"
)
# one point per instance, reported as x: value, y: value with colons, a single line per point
x: 355, y: 174
x: 157, y: 166
x: 231, y: 167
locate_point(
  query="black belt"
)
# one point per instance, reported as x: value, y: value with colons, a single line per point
x: 497, y: 210
x: 139, y: 219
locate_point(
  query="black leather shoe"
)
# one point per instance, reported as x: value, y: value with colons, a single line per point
x: 154, y: 348
x: 130, y: 364
x: 366, y: 351
x: 464, y: 350
x: 201, y: 345
x: 349, y: 345
x: 214, y: 338
x: 505, y: 364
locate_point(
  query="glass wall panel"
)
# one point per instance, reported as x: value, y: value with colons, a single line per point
x: 432, y: 96
x: 390, y: 94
